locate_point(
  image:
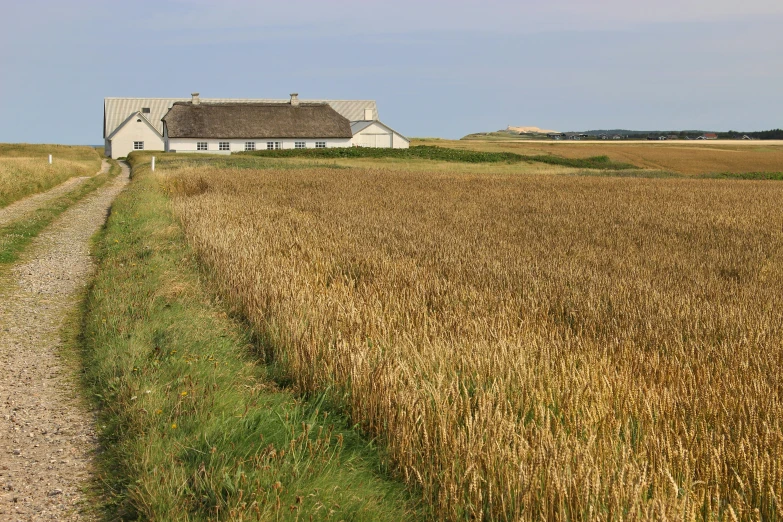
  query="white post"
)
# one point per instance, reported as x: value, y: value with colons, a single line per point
x: 153, y: 163
x: 50, y: 159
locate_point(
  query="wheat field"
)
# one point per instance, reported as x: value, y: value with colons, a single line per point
x: 525, y: 347
x: 680, y: 156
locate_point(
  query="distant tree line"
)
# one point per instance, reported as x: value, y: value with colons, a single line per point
x: 774, y: 134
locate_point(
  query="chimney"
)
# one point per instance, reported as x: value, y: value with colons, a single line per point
x: 368, y: 115
x: 294, y: 99
x: 195, y: 100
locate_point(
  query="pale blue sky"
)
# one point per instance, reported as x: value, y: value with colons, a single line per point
x: 436, y: 68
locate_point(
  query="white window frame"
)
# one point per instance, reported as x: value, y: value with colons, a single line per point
x: 270, y: 145
x: 202, y: 145
x: 250, y: 145
x: 300, y: 144
x: 224, y: 145
x: 138, y: 145
x: 320, y: 144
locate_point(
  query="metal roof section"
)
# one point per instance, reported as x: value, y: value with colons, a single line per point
x: 117, y: 110
x: 138, y: 115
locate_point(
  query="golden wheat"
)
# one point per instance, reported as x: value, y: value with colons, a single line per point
x: 527, y: 347
x: 684, y: 157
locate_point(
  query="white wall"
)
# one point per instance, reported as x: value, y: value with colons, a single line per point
x: 122, y: 142
x: 398, y: 142
x: 379, y: 136
x: 189, y: 144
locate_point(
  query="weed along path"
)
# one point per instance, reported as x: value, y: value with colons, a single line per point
x: 46, y: 433
x: 20, y: 208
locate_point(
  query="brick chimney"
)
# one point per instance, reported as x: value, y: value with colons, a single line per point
x: 195, y: 100
x: 294, y: 99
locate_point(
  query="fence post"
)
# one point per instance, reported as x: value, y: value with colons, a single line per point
x: 50, y: 159
x: 153, y: 163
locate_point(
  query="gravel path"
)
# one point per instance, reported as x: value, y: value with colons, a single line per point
x: 19, y: 208
x: 47, y: 438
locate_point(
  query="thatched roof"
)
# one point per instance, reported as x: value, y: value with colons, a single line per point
x: 255, y: 120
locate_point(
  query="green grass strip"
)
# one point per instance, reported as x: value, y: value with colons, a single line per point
x: 16, y: 235
x: 191, y: 425
x: 771, y: 176
x: 428, y: 152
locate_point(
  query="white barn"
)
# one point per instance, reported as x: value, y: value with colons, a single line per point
x: 137, y: 123
x: 372, y: 133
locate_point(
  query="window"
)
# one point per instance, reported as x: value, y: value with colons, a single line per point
x: 250, y: 145
x: 145, y: 110
x: 138, y: 145
x: 300, y: 145
x: 223, y: 145
x: 201, y: 145
x: 320, y: 144
x: 274, y: 145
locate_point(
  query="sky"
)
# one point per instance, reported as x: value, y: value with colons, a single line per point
x: 436, y: 68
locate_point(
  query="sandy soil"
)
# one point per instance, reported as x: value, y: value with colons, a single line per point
x: 19, y: 208
x: 47, y: 437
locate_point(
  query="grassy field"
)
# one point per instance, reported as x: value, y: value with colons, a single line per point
x: 682, y: 157
x: 16, y: 235
x: 524, y: 345
x: 25, y: 169
x: 191, y: 424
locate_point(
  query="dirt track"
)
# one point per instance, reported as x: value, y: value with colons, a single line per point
x: 19, y: 208
x: 47, y: 437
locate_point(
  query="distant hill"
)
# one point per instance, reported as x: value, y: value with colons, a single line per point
x: 530, y: 130
x: 532, y: 133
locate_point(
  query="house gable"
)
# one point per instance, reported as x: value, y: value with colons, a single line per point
x: 358, y: 127
x: 134, y: 117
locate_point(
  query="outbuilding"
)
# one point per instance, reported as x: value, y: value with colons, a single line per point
x: 372, y: 133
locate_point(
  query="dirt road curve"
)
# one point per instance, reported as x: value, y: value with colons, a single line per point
x: 47, y: 439
x: 19, y: 208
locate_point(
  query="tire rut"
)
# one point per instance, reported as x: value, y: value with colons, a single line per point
x: 47, y: 436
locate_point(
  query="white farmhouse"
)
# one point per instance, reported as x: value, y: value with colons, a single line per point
x: 137, y: 124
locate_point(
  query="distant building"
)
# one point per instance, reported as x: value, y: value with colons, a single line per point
x: 708, y: 136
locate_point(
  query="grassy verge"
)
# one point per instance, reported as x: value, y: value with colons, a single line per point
x: 192, y: 427
x: 631, y: 173
x: 776, y: 176
x: 15, y: 236
x: 434, y: 153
